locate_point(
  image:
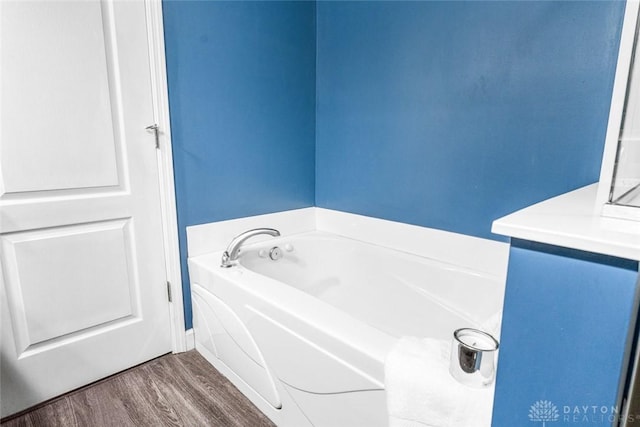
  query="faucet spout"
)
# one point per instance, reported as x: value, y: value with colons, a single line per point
x: 231, y: 254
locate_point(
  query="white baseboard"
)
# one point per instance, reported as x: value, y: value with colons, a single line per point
x: 190, y: 339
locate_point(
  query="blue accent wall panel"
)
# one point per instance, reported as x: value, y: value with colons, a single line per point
x: 452, y: 114
x: 567, y: 318
x: 242, y: 96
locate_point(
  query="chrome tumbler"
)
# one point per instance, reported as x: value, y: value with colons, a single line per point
x: 473, y: 357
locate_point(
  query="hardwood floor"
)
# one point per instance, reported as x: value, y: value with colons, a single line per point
x: 172, y: 390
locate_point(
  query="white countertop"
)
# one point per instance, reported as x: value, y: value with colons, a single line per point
x: 573, y: 220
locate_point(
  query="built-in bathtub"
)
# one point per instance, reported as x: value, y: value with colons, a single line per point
x: 305, y: 337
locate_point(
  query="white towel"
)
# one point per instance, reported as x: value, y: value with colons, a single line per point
x: 421, y: 392
x: 493, y: 324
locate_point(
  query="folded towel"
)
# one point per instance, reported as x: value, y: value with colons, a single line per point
x: 493, y: 324
x: 421, y: 392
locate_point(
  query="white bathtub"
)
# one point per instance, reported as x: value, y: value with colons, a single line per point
x: 305, y: 337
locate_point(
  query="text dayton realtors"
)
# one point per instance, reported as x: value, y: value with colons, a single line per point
x: 593, y: 413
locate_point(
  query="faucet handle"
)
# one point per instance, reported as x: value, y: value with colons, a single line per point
x: 226, y: 260
x: 231, y: 254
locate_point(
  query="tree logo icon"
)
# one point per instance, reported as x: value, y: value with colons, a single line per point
x: 543, y: 411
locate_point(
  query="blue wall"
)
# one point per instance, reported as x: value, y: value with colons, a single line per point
x: 442, y: 114
x: 242, y: 99
x: 452, y: 114
x: 567, y: 316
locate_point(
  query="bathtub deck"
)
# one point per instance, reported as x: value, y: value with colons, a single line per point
x: 175, y: 390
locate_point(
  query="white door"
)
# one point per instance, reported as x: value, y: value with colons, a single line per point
x: 82, y: 289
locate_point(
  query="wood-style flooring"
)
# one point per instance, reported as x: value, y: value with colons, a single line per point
x: 172, y: 390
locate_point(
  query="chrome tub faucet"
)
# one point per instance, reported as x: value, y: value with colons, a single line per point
x: 231, y: 254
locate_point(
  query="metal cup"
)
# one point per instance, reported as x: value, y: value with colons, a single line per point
x: 473, y: 355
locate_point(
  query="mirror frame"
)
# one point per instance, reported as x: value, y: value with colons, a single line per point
x: 607, y: 169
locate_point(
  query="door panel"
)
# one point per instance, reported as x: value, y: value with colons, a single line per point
x: 82, y: 264
x: 49, y: 270
x: 60, y: 60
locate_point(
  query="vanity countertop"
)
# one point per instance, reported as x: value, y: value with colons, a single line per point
x: 573, y: 220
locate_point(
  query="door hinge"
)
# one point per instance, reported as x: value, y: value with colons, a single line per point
x: 156, y: 131
x: 169, y: 291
